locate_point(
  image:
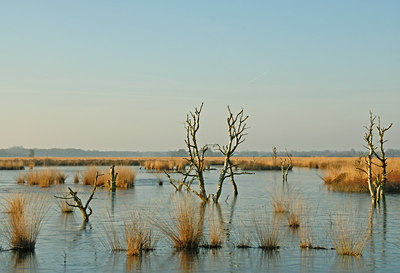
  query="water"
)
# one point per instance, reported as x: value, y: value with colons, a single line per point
x: 63, y: 246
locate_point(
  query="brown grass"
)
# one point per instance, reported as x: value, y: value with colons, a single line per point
x: 11, y: 164
x: 45, y: 178
x: 26, y: 214
x: 138, y: 235
x: 342, y: 175
x: 125, y: 179
x: 215, y: 233
x: 76, y: 178
x: 266, y: 233
x: 295, y: 214
x: 306, y: 229
x: 281, y: 200
x: 185, y: 229
x: 347, y: 237
x: 21, y: 178
x: 244, y: 238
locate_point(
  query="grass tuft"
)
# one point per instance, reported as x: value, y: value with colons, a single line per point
x: 185, y: 229
x: 26, y: 214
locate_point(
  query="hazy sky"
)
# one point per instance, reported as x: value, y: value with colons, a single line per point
x: 121, y: 75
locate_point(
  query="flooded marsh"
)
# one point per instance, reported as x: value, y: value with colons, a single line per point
x: 63, y: 245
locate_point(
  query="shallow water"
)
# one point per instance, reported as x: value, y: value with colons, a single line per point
x: 63, y: 246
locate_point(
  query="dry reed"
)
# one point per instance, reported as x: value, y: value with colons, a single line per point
x: 281, y: 200
x: 125, y: 179
x: 266, y: 233
x: 139, y: 235
x: 295, y: 214
x: 185, y: 228
x: 26, y: 214
x: 215, y: 234
x: 346, y: 237
x: 45, y: 178
x: 306, y: 229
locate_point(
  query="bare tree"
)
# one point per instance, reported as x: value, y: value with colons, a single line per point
x: 86, y: 210
x: 286, y: 166
x: 195, y: 159
x: 381, y: 179
x: 367, y: 168
x: 236, y: 129
x: 376, y: 187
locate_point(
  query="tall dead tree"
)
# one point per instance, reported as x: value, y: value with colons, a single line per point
x: 195, y: 159
x: 376, y: 186
x: 286, y: 166
x: 367, y: 169
x: 236, y: 129
x: 381, y: 179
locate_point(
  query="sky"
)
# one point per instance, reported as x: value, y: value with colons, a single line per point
x: 122, y: 75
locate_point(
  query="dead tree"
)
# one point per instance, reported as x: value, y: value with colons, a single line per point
x: 86, y: 210
x: 286, y: 167
x: 236, y: 129
x: 112, y: 182
x: 376, y: 186
x: 274, y: 155
x: 381, y: 179
x: 367, y: 169
x: 195, y: 158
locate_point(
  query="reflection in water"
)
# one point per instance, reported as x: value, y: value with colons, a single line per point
x: 24, y: 261
x: 268, y: 259
x: 112, y: 194
x: 345, y: 263
x: 188, y: 260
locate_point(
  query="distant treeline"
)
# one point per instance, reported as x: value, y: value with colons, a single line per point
x: 55, y: 152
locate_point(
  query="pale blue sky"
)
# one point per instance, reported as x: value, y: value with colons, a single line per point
x: 121, y: 75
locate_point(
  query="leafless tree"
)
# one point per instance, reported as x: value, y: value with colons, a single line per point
x: 286, y: 166
x: 376, y: 187
x: 236, y: 129
x: 195, y: 158
x: 86, y: 210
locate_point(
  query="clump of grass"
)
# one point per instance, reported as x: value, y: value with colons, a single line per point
x: 215, y: 234
x: 281, y: 200
x: 24, y: 221
x: 346, y: 238
x: 138, y: 235
x: 89, y: 177
x: 21, y: 178
x: 126, y: 177
x: 45, y: 178
x: 294, y: 216
x: 306, y: 229
x: 113, y: 236
x: 244, y: 237
x: 76, y: 178
x: 185, y: 229
x: 266, y: 233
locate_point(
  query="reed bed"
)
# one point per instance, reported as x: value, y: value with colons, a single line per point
x: 347, y: 237
x: 25, y: 216
x: 343, y: 175
x: 11, y: 164
x: 185, y: 228
x: 125, y: 179
x: 43, y: 178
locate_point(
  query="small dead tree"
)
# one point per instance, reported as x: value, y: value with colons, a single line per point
x: 112, y: 182
x: 286, y: 166
x: 195, y: 159
x: 86, y: 210
x: 236, y: 129
x: 274, y: 155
